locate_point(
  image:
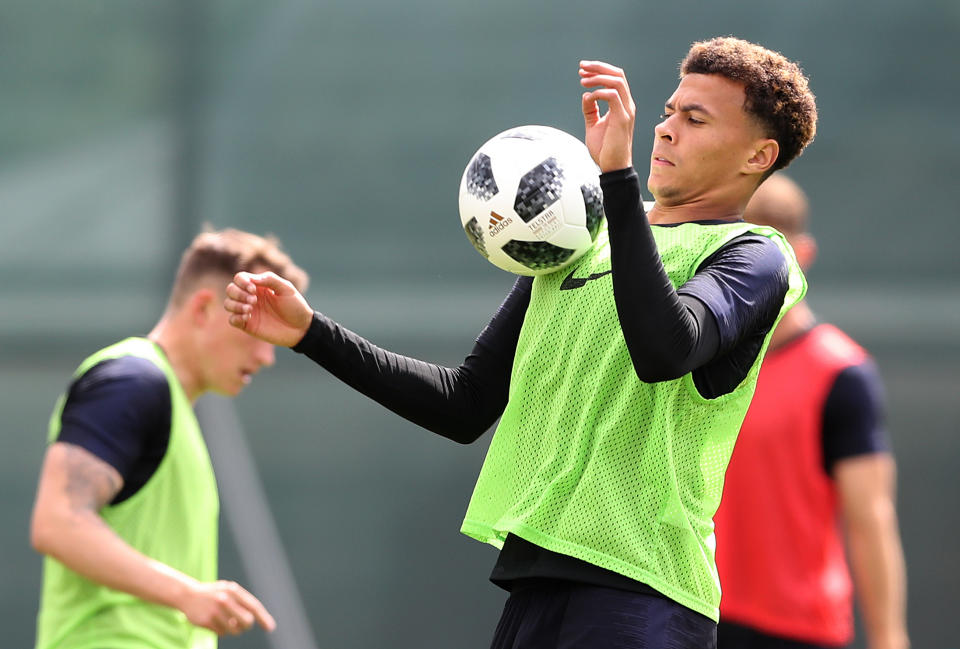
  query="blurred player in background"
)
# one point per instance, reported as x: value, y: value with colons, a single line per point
x: 812, y: 456
x: 621, y: 386
x: 127, y: 504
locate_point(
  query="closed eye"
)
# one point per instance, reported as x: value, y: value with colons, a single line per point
x: 692, y: 120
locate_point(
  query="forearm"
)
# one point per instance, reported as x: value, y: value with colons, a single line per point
x: 457, y: 403
x: 663, y: 332
x: 866, y: 488
x: 84, y: 543
x: 75, y: 486
x: 879, y: 574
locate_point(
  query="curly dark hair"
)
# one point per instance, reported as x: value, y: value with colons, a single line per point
x: 777, y: 92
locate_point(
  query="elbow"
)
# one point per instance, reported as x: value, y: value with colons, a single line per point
x: 652, y: 377
x: 42, y: 533
x: 469, y: 421
x: 654, y: 363
x: 467, y: 436
x: 50, y: 529
x: 462, y: 431
x: 470, y: 437
x: 870, y: 520
x: 656, y: 372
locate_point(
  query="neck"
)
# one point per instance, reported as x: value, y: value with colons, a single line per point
x: 794, y: 322
x: 663, y: 214
x: 724, y: 202
x: 176, y: 347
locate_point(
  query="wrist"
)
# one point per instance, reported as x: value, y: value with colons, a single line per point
x: 889, y: 639
x: 304, y: 332
x: 174, y: 588
x: 618, y: 174
x: 609, y: 166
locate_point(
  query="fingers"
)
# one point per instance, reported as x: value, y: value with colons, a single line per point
x: 234, y: 618
x: 241, y: 294
x: 244, y: 282
x: 239, y: 305
x: 244, y: 286
x: 257, y: 609
x: 239, y: 321
x: 595, y: 72
x: 591, y: 109
x: 600, y: 67
x: 599, y: 74
x: 269, y: 279
x: 609, y: 136
x: 239, y: 610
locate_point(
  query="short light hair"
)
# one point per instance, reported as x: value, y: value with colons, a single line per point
x: 780, y: 203
x: 223, y: 253
x: 778, y: 95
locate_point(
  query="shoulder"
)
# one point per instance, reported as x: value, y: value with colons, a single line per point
x: 756, y: 252
x: 749, y: 269
x: 853, y: 415
x: 829, y: 345
x: 750, y: 264
x: 858, y: 382
x: 131, y: 377
x: 119, y: 410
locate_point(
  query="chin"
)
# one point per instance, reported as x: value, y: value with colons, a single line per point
x: 658, y: 189
x: 230, y: 391
x: 663, y: 195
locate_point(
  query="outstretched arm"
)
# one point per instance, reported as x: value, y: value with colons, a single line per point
x: 459, y: 403
x: 74, y: 486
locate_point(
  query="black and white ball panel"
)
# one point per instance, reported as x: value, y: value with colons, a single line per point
x: 536, y: 255
x: 480, y: 180
x: 539, y: 189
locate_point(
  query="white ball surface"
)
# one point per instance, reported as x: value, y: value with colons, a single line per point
x: 530, y: 200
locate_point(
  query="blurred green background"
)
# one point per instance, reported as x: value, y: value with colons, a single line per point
x: 343, y: 128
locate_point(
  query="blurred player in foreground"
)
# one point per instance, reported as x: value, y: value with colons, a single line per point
x: 621, y: 382
x: 127, y: 504
x: 812, y: 455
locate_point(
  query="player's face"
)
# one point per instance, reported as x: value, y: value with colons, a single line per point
x: 703, y: 141
x: 232, y: 356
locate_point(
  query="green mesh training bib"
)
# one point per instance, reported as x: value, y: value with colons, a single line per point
x: 591, y: 462
x: 172, y: 518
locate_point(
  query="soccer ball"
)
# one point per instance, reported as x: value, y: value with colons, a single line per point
x: 530, y: 200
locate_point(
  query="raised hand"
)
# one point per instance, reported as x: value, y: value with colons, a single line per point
x: 225, y: 607
x: 269, y: 307
x: 609, y: 137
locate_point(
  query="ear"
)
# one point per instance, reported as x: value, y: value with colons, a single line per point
x: 805, y: 248
x: 201, y: 305
x: 765, y: 153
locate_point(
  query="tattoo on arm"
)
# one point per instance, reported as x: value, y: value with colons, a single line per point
x: 90, y: 482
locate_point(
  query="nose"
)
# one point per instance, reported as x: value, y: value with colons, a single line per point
x: 664, y: 130
x: 264, y: 354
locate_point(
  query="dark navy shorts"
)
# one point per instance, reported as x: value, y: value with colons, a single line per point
x: 735, y: 636
x: 552, y: 614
